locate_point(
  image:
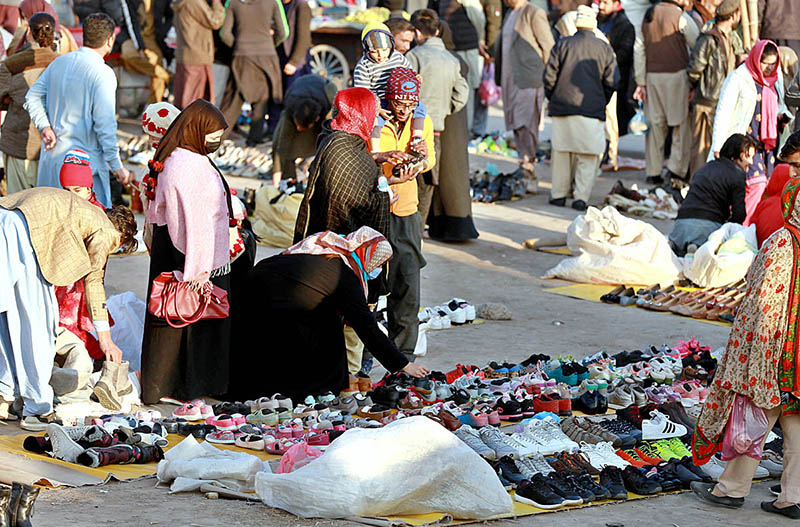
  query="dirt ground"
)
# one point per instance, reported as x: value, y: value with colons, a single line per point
x: 494, y: 268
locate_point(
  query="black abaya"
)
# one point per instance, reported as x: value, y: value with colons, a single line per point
x: 295, y: 306
x: 182, y: 363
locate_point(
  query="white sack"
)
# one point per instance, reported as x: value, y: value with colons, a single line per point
x: 610, y: 248
x: 201, y: 461
x: 411, y: 466
x: 725, y: 258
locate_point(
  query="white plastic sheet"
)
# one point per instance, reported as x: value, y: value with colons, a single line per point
x: 190, y: 464
x: 610, y: 248
x: 725, y: 258
x: 411, y: 466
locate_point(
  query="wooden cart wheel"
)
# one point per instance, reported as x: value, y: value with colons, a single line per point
x: 330, y: 63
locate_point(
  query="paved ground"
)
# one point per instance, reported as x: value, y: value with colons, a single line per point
x: 495, y: 268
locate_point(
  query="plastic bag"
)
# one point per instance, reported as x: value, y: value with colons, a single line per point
x: 298, y: 456
x: 488, y: 91
x: 610, y: 248
x: 410, y: 466
x: 638, y: 124
x: 128, y: 312
x: 745, y: 431
x: 724, y: 258
x: 275, y: 216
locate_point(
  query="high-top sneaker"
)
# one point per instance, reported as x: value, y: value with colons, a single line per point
x: 632, y: 415
x: 37, y: 444
x: 98, y: 437
x: 147, y: 453
x: 64, y: 447
x: 100, y: 457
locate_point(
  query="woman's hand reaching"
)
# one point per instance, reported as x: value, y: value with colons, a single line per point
x: 416, y: 370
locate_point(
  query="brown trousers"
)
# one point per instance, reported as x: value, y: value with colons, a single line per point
x: 192, y: 82
x: 147, y: 63
x: 702, y: 125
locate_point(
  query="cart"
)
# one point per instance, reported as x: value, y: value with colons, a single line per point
x: 336, y: 50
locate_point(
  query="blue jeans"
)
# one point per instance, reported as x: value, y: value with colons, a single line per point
x: 687, y: 231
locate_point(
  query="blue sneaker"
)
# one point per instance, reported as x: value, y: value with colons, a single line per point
x: 564, y: 373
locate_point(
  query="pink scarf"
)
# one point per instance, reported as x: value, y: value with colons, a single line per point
x: 769, y: 96
x: 190, y: 200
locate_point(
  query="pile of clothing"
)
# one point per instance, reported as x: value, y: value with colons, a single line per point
x: 656, y: 203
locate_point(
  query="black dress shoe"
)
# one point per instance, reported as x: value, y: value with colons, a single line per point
x: 579, y: 204
x: 703, y: 491
x: 775, y: 490
x: 558, y: 202
x: 792, y: 511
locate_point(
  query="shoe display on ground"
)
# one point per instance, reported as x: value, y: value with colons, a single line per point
x: 611, y: 478
x: 636, y: 482
x: 660, y: 427
x: 539, y: 493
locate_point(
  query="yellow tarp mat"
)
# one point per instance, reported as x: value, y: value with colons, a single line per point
x: 555, y: 250
x: 520, y: 509
x: 593, y: 292
x: 13, y: 443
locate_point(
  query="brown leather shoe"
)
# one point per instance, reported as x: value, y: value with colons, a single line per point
x: 449, y: 421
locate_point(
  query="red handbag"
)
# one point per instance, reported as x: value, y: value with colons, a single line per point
x: 180, y: 304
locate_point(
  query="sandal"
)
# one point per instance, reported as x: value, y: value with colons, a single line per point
x: 222, y: 437
x: 250, y: 441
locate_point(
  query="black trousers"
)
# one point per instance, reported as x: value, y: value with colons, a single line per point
x: 405, y: 236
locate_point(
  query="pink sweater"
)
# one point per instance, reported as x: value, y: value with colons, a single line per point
x: 190, y: 201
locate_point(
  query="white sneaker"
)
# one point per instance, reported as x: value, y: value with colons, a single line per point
x: 468, y: 308
x: 603, y: 455
x: 453, y: 311
x: 715, y: 467
x: 660, y: 427
x: 64, y: 447
x: 526, y: 447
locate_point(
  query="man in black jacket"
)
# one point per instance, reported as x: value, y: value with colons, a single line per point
x: 715, y: 197
x: 579, y: 79
x: 614, y: 24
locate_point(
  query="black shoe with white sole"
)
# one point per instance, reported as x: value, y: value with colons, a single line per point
x: 775, y: 490
x: 537, y: 492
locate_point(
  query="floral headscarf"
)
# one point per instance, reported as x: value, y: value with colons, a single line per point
x: 363, y: 250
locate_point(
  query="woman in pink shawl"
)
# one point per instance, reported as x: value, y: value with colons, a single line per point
x: 190, y: 212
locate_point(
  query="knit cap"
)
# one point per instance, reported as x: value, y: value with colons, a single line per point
x: 157, y: 117
x: 376, y: 36
x: 402, y: 85
x: 586, y: 18
x: 728, y: 7
x: 76, y: 170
